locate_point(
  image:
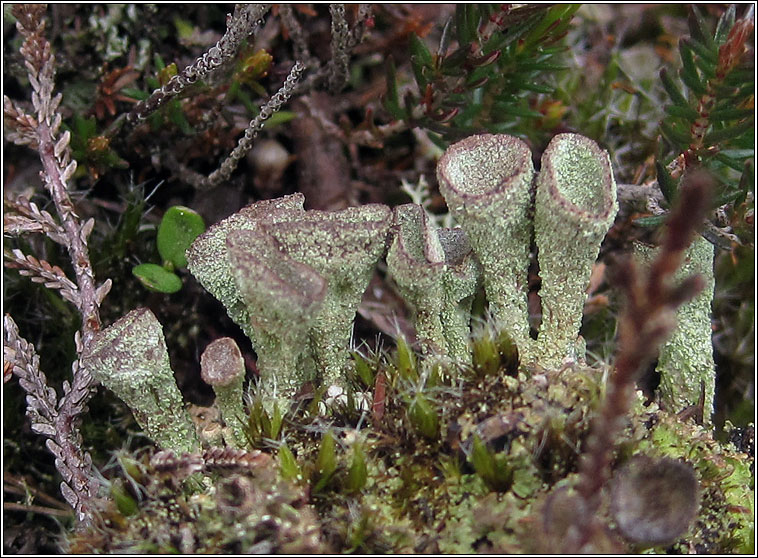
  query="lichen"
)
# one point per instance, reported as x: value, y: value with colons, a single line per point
x: 343, y: 246
x: 282, y: 298
x: 208, y: 260
x: 131, y: 359
x: 486, y: 181
x: 436, y: 273
x: 686, y: 360
x: 222, y: 366
x: 574, y: 208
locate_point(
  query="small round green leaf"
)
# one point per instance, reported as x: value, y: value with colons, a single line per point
x: 178, y: 229
x: 156, y: 278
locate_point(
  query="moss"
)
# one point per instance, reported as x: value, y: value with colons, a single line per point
x: 424, y: 494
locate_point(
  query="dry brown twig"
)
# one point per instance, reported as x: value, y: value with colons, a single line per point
x: 648, y: 318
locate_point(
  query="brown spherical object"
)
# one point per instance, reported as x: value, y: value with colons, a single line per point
x: 221, y: 363
x: 654, y: 501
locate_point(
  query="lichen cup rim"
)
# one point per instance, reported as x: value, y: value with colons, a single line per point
x: 550, y: 174
x: 520, y: 157
x: 366, y: 219
x: 306, y: 298
x: 419, y: 261
x: 143, y: 318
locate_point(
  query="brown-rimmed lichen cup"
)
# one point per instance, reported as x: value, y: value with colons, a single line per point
x: 282, y: 297
x: 130, y: 358
x: 486, y: 182
x: 208, y: 261
x: 416, y: 262
x: 343, y: 247
x: 575, y: 206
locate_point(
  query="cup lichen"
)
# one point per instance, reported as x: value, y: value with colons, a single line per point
x: 282, y: 297
x: 208, y: 260
x: 685, y: 360
x: 437, y: 275
x: 343, y: 247
x: 130, y: 358
x: 575, y: 206
x: 486, y: 181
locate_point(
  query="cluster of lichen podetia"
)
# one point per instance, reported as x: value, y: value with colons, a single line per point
x: 293, y: 279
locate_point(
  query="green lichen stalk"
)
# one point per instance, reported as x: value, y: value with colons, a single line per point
x: 436, y: 273
x: 574, y: 208
x: 343, y: 247
x: 685, y: 361
x: 486, y: 181
x: 222, y: 367
x: 282, y: 297
x: 416, y: 262
x: 130, y: 358
x: 459, y: 284
x: 208, y: 258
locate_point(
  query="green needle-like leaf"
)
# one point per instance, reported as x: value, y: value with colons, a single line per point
x: 689, y: 73
x: 671, y: 88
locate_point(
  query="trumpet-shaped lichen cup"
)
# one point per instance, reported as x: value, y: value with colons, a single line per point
x: 574, y: 208
x: 282, y: 297
x: 343, y: 247
x: 130, y: 358
x: 486, y: 182
x: 208, y: 260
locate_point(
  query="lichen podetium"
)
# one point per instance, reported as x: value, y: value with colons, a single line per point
x: 130, y: 358
x: 685, y: 362
x: 574, y: 208
x: 485, y: 180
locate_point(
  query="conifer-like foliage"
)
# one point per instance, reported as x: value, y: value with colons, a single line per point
x: 503, y: 56
x: 710, y: 118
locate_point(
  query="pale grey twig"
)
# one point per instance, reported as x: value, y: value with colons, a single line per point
x: 338, y: 65
x: 239, y: 25
x: 245, y: 143
x: 296, y: 33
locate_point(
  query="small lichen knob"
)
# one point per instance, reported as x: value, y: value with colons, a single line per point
x: 485, y: 180
x: 223, y: 368
x: 574, y: 208
x: 130, y: 358
x: 654, y: 501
